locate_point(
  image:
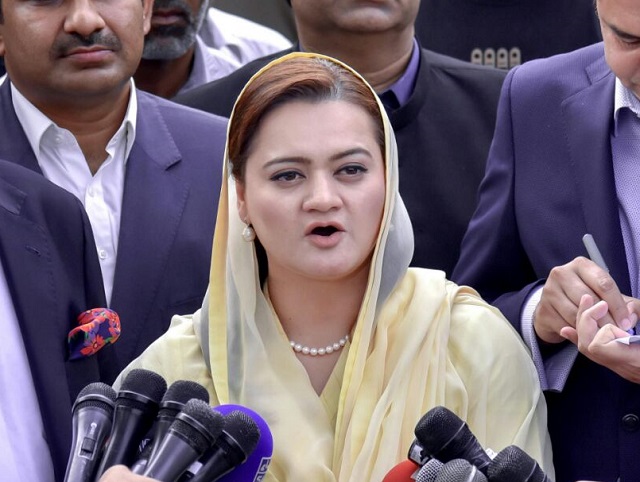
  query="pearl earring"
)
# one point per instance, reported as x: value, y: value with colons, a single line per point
x: 248, y: 234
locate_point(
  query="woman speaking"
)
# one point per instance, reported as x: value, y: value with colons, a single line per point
x: 313, y: 317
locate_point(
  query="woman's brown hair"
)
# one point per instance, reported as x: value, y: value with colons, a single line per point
x: 308, y: 79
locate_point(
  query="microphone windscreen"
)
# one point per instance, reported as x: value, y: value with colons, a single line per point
x: 429, y: 471
x: 459, y: 470
x: 198, y: 424
x: 402, y: 472
x: 241, y: 428
x: 193, y: 431
x: 256, y: 465
x: 444, y: 436
x: 142, y: 384
x: 512, y: 464
x: 438, y: 427
x: 97, y: 394
x: 179, y: 393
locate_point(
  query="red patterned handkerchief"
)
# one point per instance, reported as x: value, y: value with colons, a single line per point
x: 97, y: 328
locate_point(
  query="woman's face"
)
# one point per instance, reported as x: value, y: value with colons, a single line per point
x: 314, y: 189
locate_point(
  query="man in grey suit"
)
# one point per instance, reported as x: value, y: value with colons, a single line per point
x: 147, y: 170
x: 442, y: 109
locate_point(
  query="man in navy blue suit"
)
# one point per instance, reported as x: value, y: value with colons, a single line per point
x: 146, y: 170
x: 563, y: 163
x: 49, y: 274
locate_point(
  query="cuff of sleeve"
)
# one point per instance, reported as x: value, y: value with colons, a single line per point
x: 553, y: 370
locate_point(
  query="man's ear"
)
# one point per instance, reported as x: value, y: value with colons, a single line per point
x: 147, y: 12
x: 242, y: 205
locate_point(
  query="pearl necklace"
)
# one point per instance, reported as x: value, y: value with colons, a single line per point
x: 327, y: 350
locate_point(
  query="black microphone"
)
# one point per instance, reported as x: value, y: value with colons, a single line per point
x: 92, y: 417
x: 140, y: 465
x: 460, y: 470
x: 512, y: 464
x: 444, y: 436
x: 429, y: 471
x: 174, y: 400
x: 194, y: 430
x: 136, y: 407
x: 236, y: 442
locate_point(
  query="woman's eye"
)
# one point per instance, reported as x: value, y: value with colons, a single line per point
x: 286, y: 176
x: 352, y: 170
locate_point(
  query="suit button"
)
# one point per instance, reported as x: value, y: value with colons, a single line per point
x: 630, y: 422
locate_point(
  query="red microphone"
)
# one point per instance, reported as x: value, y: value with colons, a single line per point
x: 405, y: 471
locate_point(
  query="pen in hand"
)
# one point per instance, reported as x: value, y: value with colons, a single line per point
x: 594, y: 252
x: 596, y: 257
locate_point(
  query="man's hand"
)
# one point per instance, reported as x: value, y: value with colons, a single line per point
x: 558, y: 307
x: 597, y: 341
x: 120, y: 473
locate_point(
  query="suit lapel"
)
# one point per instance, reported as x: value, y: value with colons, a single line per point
x: 26, y: 256
x: 588, y: 117
x: 154, y: 199
x: 14, y: 146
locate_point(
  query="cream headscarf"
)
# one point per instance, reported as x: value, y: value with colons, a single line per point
x: 419, y: 341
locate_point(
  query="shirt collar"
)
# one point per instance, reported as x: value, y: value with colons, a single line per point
x: 403, y: 87
x: 35, y: 124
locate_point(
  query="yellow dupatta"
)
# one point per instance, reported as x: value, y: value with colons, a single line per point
x: 419, y: 341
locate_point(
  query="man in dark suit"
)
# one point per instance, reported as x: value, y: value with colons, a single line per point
x: 564, y: 163
x: 442, y: 110
x: 147, y: 170
x: 49, y: 274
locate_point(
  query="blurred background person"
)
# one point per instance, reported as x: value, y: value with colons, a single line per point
x: 190, y: 44
x: 274, y: 14
x: 239, y: 37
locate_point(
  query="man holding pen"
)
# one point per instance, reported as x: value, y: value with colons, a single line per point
x: 563, y: 163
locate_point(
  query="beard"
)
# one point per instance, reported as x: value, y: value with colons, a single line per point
x: 165, y: 42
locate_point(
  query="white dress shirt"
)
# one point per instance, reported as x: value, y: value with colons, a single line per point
x: 24, y: 453
x: 239, y: 38
x: 63, y: 163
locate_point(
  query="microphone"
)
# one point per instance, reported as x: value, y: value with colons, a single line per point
x: 429, y: 471
x: 136, y: 407
x: 92, y: 414
x: 402, y: 472
x: 238, y: 439
x: 460, y: 470
x: 512, y: 464
x: 256, y: 465
x: 194, y: 430
x: 140, y: 465
x: 174, y: 400
x: 444, y: 436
